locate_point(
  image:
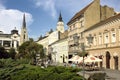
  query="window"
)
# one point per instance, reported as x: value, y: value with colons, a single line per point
x: 81, y: 35
x: 81, y: 23
x: 70, y: 28
x: 100, y: 38
x: 6, y: 43
x: 95, y: 40
x: 119, y: 34
x: 24, y: 36
x: 73, y: 26
x: 106, y: 38
x: 113, y: 38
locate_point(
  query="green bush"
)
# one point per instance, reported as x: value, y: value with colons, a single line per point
x: 20, y: 70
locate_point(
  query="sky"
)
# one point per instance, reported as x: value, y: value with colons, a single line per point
x: 42, y: 15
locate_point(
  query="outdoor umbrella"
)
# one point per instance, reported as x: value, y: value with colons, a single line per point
x: 91, y: 58
x: 75, y: 58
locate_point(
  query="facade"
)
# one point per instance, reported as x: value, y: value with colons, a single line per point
x: 44, y: 41
x: 59, y: 53
x: 13, y: 40
x: 105, y: 42
x: 52, y: 36
x: 84, y: 19
x: 10, y: 40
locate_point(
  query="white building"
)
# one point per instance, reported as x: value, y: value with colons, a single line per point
x: 59, y: 53
x: 14, y: 39
x: 53, y: 36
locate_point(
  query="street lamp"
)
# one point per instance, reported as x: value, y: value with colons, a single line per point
x: 90, y: 39
x: 76, y: 42
x: 83, y: 52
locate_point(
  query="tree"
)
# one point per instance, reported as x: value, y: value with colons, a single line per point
x: 3, y: 53
x: 12, y: 53
x: 29, y: 50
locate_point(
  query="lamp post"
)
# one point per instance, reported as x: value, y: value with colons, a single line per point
x: 83, y: 55
x: 76, y: 42
x: 83, y: 52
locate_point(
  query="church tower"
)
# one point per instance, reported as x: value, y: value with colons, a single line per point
x: 24, y: 34
x: 60, y: 24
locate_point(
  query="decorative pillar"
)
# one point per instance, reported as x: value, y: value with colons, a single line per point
x: 15, y: 44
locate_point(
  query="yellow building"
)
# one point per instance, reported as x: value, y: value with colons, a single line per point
x: 105, y: 42
x: 84, y: 19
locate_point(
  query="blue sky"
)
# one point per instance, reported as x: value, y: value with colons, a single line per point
x: 42, y: 15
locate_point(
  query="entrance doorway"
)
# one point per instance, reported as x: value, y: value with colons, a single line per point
x: 116, y: 62
x: 101, y: 63
x: 107, y: 60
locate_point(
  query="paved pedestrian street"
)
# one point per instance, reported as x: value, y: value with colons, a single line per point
x: 110, y: 74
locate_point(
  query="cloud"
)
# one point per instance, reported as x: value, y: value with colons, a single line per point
x: 69, y: 6
x: 47, y: 5
x: 11, y: 18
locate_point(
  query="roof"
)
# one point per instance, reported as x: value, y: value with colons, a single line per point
x: 104, y: 21
x: 79, y: 14
x: 64, y: 35
x: 5, y: 35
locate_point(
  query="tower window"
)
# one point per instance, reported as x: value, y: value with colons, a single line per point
x: 24, y: 36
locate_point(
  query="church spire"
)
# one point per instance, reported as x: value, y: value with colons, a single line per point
x: 60, y: 17
x: 24, y: 22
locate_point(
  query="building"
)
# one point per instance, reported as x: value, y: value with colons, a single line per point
x: 52, y: 36
x: 24, y: 33
x: 105, y: 42
x: 59, y: 52
x: 10, y: 40
x: 14, y: 39
x: 84, y: 19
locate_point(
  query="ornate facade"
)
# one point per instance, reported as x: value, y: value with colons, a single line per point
x: 98, y: 28
x: 14, y: 39
x: 105, y: 42
x: 84, y: 19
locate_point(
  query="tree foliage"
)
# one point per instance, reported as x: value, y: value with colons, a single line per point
x: 29, y: 49
x: 12, y: 53
x: 17, y: 70
x: 3, y: 53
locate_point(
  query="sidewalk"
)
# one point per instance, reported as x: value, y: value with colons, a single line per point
x: 110, y: 74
